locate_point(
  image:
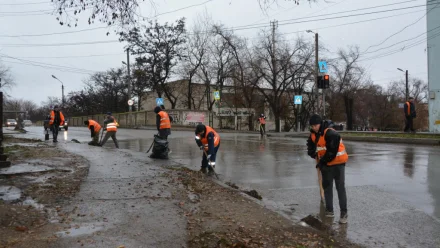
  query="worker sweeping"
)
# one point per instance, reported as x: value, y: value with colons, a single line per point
x: 209, y: 141
x: 326, y: 147
x: 94, y: 128
x: 110, y: 124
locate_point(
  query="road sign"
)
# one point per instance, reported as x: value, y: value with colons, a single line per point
x: 216, y: 95
x: 298, y: 99
x: 159, y: 101
x: 322, y: 66
x: 401, y: 105
x: 130, y: 102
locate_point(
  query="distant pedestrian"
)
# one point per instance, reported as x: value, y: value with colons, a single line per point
x: 95, y: 129
x: 110, y: 126
x: 262, y: 121
x: 410, y: 113
x: 56, y: 120
x: 325, y: 145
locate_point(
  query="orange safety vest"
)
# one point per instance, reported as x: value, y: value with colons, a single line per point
x: 341, y: 156
x: 204, y: 140
x: 408, y: 105
x: 96, y: 125
x: 52, y: 118
x: 164, y: 120
x: 262, y: 120
x: 112, y: 126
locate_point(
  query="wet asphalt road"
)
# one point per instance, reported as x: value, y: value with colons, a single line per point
x: 393, y: 190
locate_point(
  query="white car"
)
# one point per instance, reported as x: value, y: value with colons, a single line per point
x: 11, y: 123
x: 27, y: 123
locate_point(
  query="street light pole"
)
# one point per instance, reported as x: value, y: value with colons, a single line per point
x: 406, y: 84
x: 128, y: 86
x: 62, y: 91
x: 316, y: 65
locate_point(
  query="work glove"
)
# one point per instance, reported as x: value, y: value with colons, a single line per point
x: 208, y: 157
x: 201, y: 147
x: 320, y: 165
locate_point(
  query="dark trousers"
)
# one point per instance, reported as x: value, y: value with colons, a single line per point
x: 212, y: 158
x: 336, y: 173
x: 262, y: 129
x: 55, y: 128
x: 409, y: 124
x: 109, y: 134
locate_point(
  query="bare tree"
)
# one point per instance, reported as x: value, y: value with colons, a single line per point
x: 6, y: 79
x: 195, y: 51
x: 349, y: 77
x: 159, y: 48
x: 416, y: 88
x: 278, y: 69
x: 110, y: 12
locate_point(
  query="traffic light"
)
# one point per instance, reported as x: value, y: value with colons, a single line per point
x: 324, y: 82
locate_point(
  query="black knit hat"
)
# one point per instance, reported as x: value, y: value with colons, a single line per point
x: 315, y: 119
x: 157, y: 109
x: 200, y: 128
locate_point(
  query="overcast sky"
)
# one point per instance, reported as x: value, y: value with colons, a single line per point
x: 406, y: 49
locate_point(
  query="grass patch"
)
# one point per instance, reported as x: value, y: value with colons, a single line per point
x: 392, y: 135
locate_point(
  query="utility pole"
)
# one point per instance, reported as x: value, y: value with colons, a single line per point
x: 274, y: 65
x: 316, y: 69
x: 62, y: 90
x: 129, y: 87
x: 406, y: 79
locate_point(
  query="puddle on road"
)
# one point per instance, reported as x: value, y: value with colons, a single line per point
x: 24, y: 168
x: 9, y: 193
x: 85, y: 229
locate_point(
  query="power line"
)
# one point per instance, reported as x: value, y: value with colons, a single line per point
x: 350, y: 23
x: 61, y: 44
x: 48, y: 65
x: 348, y: 11
x: 176, y: 10
x: 31, y: 3
x: 49, y: 34
x: 436, y: 5
x: 66, y: 57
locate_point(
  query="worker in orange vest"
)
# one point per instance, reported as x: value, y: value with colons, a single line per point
x: 163, y: 122
x: 94, y: 128
x: 209, y: 141
x: 325, y: 145
x: 410, y: 113
x: 262, y: 121
x: 111, y: 127
x: 56, y: 120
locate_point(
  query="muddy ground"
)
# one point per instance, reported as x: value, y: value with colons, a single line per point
x: 40, y: 180
x: 43, y: 179
x: 220, y: 216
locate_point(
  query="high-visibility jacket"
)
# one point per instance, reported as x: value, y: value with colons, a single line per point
x: 52, y: 118
x: 164, y: 120
x: 96, y: 126
x: 262, y: 120
x: 408, y: 107
x: 112, y: 126
x: 204, y: 139
x: 341, y: 155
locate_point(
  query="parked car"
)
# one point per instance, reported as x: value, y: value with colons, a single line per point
x: 11, y: 123
x: 27, y: 123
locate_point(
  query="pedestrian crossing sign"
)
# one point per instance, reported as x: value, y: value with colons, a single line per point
x: 159, y: 101
x: 323, y: 66
x: 298, y: 100
x: 216, y: 95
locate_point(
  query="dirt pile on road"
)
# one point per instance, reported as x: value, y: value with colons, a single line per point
x: 40, y: 180
x: 224, y: 217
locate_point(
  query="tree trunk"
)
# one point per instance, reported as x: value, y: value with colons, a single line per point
x: 349, y: 111
x: 189, y: 93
